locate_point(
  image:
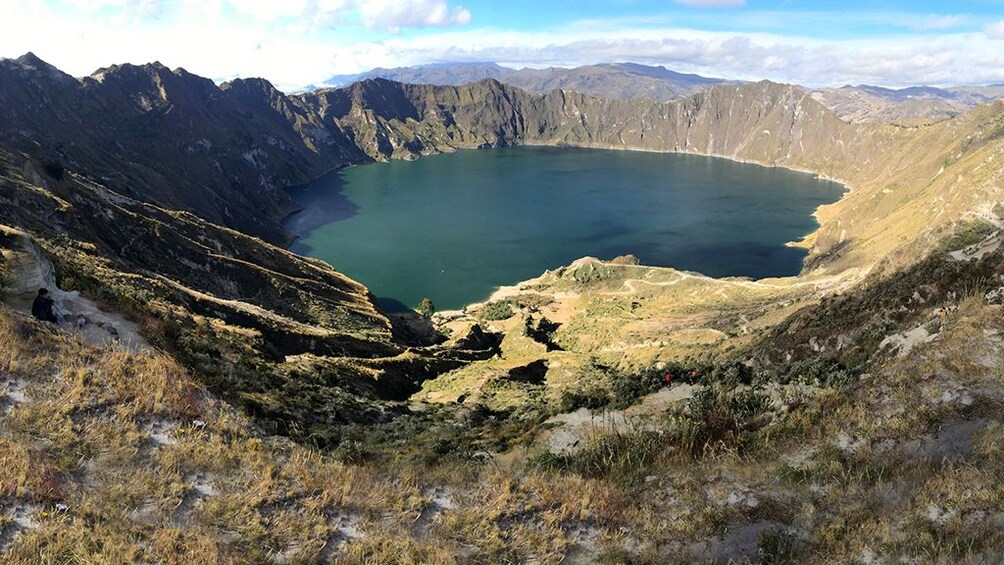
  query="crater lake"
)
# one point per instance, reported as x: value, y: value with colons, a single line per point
x: 454, y: 227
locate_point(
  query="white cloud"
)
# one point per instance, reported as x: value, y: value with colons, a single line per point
x: 899, y: 61
x: 712, y: 3
x: 294, y: 44
x: 995, y: 30
x: 392, y: 15
x: 132, y: 9
x: 386, y: 14
x: 395, y: 14
x: 271, y: 10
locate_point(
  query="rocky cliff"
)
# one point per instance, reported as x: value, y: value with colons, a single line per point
x: 907, y: 184
x: 172, y: 138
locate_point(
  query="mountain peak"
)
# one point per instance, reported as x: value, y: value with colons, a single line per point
x: 31, y: 63
x: 32, y: 59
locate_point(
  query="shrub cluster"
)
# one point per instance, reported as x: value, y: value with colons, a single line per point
x: 497, y: 310
x: 626, y: 388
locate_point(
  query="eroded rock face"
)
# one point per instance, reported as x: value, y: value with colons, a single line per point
x: 28, y: 269
x: 303, y: 347
x: 231, y: 307
x: 172, y: 138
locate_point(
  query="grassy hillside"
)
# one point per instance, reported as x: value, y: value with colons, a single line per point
x: 113, y: 456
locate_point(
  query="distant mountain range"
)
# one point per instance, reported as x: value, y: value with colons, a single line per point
x: 624, y: 81
x: 906, y: 106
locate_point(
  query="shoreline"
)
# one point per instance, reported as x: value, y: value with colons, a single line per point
x: 797, y: 244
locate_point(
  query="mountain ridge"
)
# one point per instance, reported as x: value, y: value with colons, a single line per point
x: 854, y: 103
x: 610, y: 80
x: 915, y: 105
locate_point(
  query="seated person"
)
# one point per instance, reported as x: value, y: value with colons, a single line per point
x: 42, y: 308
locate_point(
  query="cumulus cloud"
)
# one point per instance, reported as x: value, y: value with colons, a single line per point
x: 712, y: 3
x: 301, y: 42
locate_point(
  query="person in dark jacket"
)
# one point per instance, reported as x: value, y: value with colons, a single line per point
x: 42, y: 307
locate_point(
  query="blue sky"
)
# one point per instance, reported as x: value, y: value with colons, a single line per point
x: 295, y: 43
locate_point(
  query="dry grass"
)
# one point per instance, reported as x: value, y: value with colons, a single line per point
x: 151, y: 468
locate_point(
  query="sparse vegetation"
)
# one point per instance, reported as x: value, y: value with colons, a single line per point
x: 151, y: 466
x: 496, y: 310
x: 426, y: 308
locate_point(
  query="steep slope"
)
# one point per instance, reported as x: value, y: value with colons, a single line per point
x: 172, y: 138
x: 112, y: 456
x: 298, y: 344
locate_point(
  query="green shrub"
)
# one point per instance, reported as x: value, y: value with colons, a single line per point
x: 821, y: 371
x: 426, y: 308
x: 593, y: 398
x: 969, y: 234
x: 497, y: 310
x: 731, y: 374
x: 628, y: 388
x: 622, y: 458
x: 720, y: 417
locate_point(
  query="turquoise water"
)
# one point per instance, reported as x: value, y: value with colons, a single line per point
x: 454, y: 227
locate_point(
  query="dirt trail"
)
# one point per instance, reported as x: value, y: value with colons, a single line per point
x: 29, y: 270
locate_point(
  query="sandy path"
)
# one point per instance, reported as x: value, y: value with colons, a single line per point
x: 30, y: 270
